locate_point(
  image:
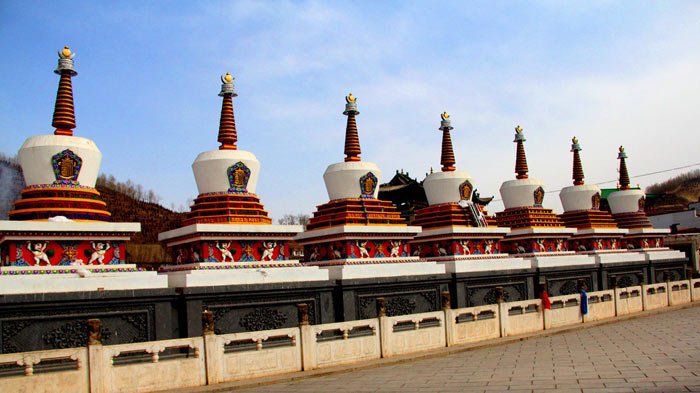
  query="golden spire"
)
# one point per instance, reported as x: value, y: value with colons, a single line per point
x: 64, y: 109
x: 352, y: 139
x: 227, y: 123
x: 447, y: 159
x: 520, y: 158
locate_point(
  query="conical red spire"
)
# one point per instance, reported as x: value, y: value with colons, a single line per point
x: 352, y: 139
x: 520, y: 159
x: 227, y: 123
x: 624, y: 175
x: 578, y: 168
x: 64, y: 110
x: 447, y: 159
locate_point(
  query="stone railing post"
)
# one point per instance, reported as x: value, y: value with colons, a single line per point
x: 502, y: 309
x: 213, y: 354
x: 308, y: 338
x: 446, y: 301
x: 385, y: 328
x: 97, y: 364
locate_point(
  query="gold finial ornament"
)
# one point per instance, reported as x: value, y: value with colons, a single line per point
x: 445, y: 115
x: 350, y: 98
x: 228, y: 78
x: 65, y: 53
x: 518, y: 129
x: 574, y: 140
x: 621, y: 149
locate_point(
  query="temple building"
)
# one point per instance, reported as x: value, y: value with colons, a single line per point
x: 228, y: 237
x: 455, y: 227
x: 537, y: 233
x: 355, y: 234
x: 60, y: 236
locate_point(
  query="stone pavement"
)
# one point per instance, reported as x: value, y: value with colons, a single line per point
x: 657, y: 353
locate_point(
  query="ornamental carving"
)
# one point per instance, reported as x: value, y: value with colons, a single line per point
x: 538, y: 196
x: 262, y: 319
x: 71, y: 335
x: 465, y: 190
x: 66, y: 167
x: 491, y: 296
x: 568, y: 288
x: 238, y: 176
x: 399, y: 306
x: 625, y: 281
x: 640, y: 203
x: 368, y: 184
x: 595, y: 201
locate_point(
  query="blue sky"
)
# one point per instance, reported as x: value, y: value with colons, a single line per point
x: 610, y: 73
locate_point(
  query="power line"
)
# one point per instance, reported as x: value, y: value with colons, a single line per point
x: 635, y: 176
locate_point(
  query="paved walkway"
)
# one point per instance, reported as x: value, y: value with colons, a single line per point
x: 658, y: 353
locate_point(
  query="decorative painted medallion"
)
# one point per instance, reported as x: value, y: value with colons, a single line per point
x: 368, y: 183
x: 640, y: 203
x: 238, y: 176
x: 465, y: 190
x: 595, y: 201
x: 539, y: 196
x: 66, y: 167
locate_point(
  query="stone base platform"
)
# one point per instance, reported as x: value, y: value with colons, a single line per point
x: 216, y: 273
x: 77, y: 278
x: 350, y: 269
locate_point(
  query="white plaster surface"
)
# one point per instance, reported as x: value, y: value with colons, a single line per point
x: 575, y: 198
x: 443, y: 187
x: 82, y: 280
x: 519, y: 192
x: 401, y: 231
x: 484, y: 265
x: 625, y: 201
x: 546, y: 261
x: 654, y: 300
x: 263, y: 230
x: 210, y: 169
x: 601, y: 231
x: 343, y: 179
x: 261, y: 275
x: 619, y: 257
x: 663, y: 254
x: 482, y: 232
x: 69, y: 226
x: 348, y: 272
x: 679, y: 292
x: 36, y: 153
x: 541, y: 231
x: 628, y: 300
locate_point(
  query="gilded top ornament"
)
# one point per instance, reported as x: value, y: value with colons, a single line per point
x: 227, y: 85
x: 621, y: 153
x: 65, y: 53
x: 445, y: 123
x: 519, y: 135
x: 574, y: 145
x: 574, y: 140
x: 65, y: 62
x: 351, y: 105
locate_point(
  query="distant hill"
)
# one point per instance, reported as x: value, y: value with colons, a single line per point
x: 674, y: 194
x: 128, y: 202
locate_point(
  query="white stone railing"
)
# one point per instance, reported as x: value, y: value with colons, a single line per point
x: 629, y: 300
x: 521, y: 317
x: 211, y: 359
x: 340, y: 343
x: 147, y: 366
x: 566, y: 310
x: 412, y: 333
x: 601, y: 305
x: 679, y: 292
x: 58, y: 370
x: 236, y: 356
x: 655, y: 296
x: 472, y: 324
x: 695, y: 289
